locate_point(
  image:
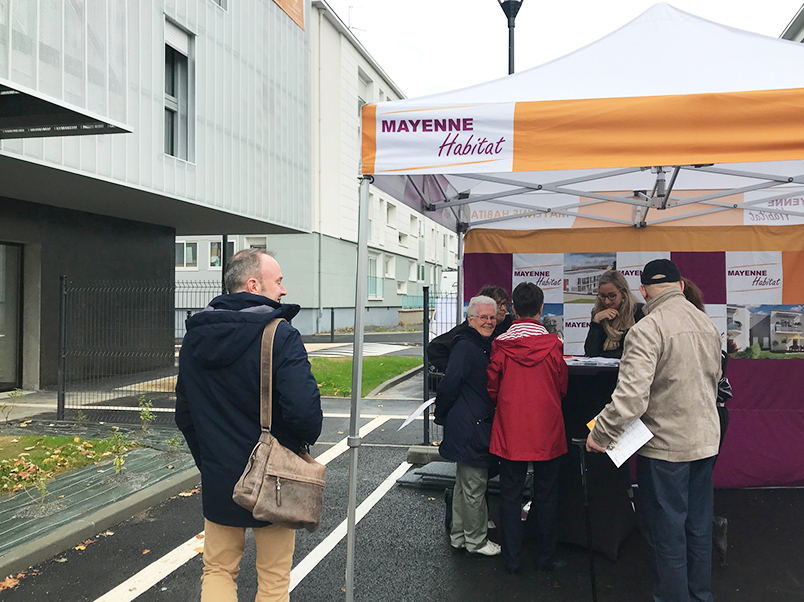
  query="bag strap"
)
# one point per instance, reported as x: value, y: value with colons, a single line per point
x: 266, y: 373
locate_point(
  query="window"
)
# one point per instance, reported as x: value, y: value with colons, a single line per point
x: 413, y: 271
x: 177, y: 92
x: 390, y: 266
x: 403, y: 240
x: 390, y: 216
x: 215, y: 257
x: 256, y: 242
x: 401, y: 287
x: 221, y: 3
x: 375, y: 283
x: 186, y: 254
x: 421, y: 273
x: 362, y: 91
x: 414, y: 226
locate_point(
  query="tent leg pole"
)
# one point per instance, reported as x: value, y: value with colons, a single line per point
x: 357, y: 379
x: 459, y: 296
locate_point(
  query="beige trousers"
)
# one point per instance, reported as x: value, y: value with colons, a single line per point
x: 223, y: 549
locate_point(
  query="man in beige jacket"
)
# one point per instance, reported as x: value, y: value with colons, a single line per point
x: 668, y: 377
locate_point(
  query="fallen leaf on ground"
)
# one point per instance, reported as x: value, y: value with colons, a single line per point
x: 80, y: 547
x: 199, y: 550
x: 107, y: 533
x: 76, y: 438
x: 188, y: 493
x: 59, y: 560
x: 8, y: 583
x: 340, y: 432
x: 170, y: 465
x: 200, y: 536
x: 431, y: 499
x: 144, y: 552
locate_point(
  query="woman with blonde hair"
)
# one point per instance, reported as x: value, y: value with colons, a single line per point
x: 616, y: 311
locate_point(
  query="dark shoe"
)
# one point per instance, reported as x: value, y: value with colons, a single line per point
x: 551, y: 565
x: 720, y: 528
x: 448, y: 509
x: 457, y: 549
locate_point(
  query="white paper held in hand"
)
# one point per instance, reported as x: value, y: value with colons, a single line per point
x: 632, y: 438
x: 416, y: 412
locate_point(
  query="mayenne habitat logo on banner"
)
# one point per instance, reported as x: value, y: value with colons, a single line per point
x: 446, y: 140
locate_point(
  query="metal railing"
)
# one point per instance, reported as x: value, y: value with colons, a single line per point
x: 118, y: 345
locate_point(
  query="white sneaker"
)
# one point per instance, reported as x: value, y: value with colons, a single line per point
x: 487, y: 549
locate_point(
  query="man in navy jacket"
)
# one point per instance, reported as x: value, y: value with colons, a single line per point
x: 218, y: 411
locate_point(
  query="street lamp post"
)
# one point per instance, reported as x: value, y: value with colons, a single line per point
x: 510, y: 8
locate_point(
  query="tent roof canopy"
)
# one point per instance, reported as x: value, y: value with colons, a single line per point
x: 670, y: 112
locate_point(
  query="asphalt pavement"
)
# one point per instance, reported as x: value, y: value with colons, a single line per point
x: 402, y: 553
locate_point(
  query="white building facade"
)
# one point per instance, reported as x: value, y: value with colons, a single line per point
x: 406, y: 250
x: 210, y: 102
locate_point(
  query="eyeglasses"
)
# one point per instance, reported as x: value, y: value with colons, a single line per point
x: 610, y: 296
x: 485, y: 318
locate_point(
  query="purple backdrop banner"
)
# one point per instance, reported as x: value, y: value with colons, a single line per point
x: 764, y: 444
x: 481, y: 269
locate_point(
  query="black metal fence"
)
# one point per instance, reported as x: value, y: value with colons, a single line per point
x: 118, y: 346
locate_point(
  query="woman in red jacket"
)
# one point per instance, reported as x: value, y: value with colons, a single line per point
x: 528, y: 379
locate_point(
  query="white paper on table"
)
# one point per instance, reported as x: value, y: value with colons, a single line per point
x: 634, y: 437
x: 416, y: 413
x: 579, y: 360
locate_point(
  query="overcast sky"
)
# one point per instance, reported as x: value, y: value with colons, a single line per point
x: 430, y: 46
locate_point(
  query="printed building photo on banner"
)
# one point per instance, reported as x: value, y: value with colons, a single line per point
x: 545, y: 270
x: 553, y: 319
x: 582, y: 272
x: 717, y: 312
x: 775, y: 331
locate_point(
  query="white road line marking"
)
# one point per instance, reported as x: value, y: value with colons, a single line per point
x: 301, y: 570
x: 136, y: 585
x: 341, y: 446
x: 155, y: 572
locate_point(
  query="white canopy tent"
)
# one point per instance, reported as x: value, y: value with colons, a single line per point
x: 671, y: 118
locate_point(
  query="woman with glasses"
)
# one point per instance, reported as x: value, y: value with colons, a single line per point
x: 440, y: 347
x: 616, y: 311
x: 463, y: 405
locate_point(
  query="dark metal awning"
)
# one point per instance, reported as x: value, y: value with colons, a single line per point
x: 26, y: 114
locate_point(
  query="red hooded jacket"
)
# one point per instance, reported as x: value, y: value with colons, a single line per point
x: 528, y: 379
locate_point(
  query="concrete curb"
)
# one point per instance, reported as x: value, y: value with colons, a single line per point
x: 47, y: 546
x: 394, y: 381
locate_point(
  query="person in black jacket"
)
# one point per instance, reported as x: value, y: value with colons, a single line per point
x: 616, y: 311
x: 464, y: 406
x: 439, y: 348
x: 218, y: 411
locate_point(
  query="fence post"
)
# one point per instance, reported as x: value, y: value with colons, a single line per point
x: 331, y: 324
x: 62, y: 347
x: 425, y: 360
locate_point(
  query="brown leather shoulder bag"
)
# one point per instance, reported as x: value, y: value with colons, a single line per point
x: 278, y: 485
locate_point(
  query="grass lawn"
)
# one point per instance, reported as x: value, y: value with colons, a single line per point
x: 35, y: 459
x: 334, y: 374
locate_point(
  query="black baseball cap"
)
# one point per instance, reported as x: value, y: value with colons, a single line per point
x: 660, y: 270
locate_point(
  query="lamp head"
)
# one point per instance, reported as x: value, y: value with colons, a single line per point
x: 510, y: 7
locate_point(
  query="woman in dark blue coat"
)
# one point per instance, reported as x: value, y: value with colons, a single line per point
x: 463, y: 405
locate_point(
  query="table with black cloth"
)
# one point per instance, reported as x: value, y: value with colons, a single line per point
x: 612, y: 514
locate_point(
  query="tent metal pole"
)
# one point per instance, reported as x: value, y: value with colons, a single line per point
x: 459, y: 295
x: 357, y: 379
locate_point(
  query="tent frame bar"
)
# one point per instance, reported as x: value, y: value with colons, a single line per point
x: 660, y: 197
